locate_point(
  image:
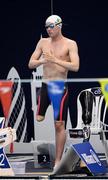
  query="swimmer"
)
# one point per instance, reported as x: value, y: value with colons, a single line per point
x: 59, y: 55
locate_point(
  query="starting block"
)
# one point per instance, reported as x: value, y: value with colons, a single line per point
x: 72, y: 156
x: 43, y: 154
x: 88, y: 155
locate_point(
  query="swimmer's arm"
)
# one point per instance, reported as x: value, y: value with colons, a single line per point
x: 35, y: 59
x: 73, y: 65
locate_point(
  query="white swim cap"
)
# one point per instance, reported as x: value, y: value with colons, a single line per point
x: 55, y: 19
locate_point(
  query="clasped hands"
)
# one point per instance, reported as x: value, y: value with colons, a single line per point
x: 48, y: 57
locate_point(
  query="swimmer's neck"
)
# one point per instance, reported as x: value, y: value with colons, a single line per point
x: 57, y: 38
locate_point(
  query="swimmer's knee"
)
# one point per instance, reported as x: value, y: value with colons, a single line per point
x: 39, y: 118
x: 59, y: 125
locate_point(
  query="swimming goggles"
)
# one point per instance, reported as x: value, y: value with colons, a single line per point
x: 52, y: 25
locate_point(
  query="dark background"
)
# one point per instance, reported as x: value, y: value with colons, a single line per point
x: 85, y: 21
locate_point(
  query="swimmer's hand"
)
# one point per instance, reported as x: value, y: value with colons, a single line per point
x: 49, y: 56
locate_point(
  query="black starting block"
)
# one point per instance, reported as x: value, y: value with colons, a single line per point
x: 43, y: 158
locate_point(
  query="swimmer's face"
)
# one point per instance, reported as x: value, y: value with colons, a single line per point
x: 52, y: 28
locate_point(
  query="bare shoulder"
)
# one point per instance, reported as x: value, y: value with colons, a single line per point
x: 44, y: 40
x: 71, y: 42
x: 41, y: 42
x: 72, y: 45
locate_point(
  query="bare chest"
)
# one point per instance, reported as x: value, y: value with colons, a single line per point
x: 59, y: 50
